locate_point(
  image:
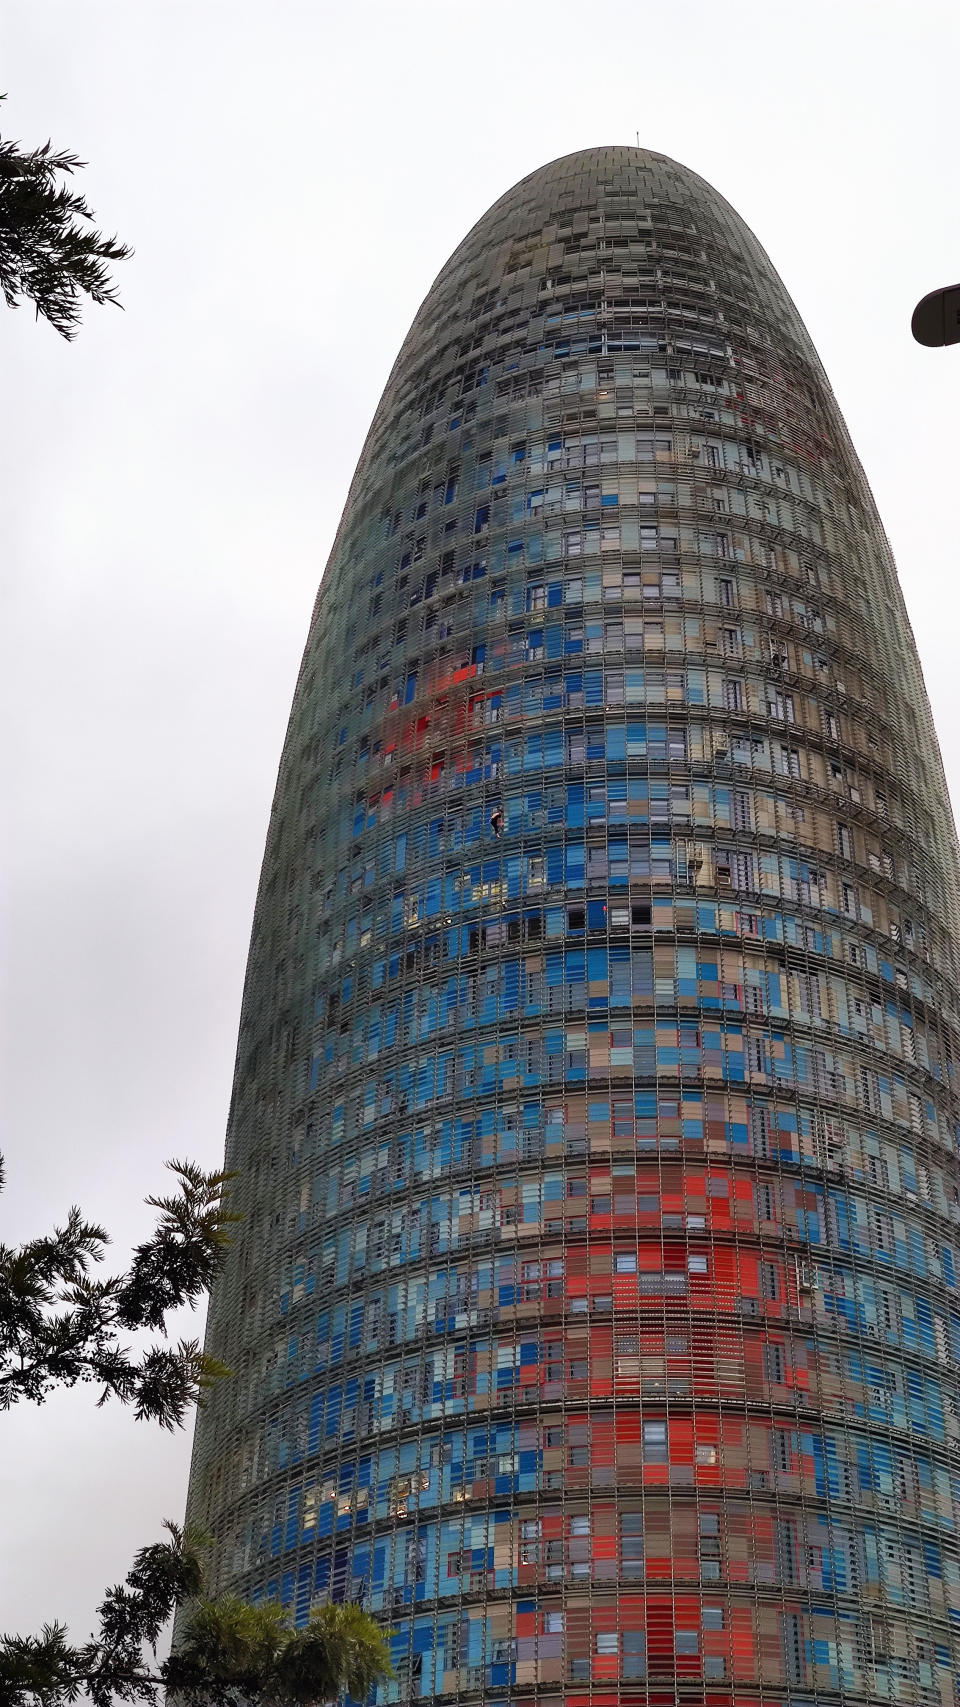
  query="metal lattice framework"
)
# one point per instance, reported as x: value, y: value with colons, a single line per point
x: 594, y: 1314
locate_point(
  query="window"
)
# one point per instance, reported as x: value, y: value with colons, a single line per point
x: 655, y: 1442
x: 780, y: 1454
x: 736, y: 869
x: 687, y: 1641
x: 607, y: 1642
x: 793, y: 1646
x: 708, y: 1526
x: 773, y: 1361
x: 812, y: 883
x: 742, y: 811
x: 779, y: 705
x: 631, y: 1544
x: 633, y: 1667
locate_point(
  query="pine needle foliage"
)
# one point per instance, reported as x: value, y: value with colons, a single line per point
x: 232, y: 1654
x: 61, y: 1323
x: 51, y: 254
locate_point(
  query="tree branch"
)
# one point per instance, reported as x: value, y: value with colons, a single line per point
x: 48, y: 254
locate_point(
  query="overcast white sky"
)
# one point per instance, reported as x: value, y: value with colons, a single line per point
x: 292, y: 177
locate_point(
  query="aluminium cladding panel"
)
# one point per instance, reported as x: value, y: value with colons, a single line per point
x: 594, y: 1316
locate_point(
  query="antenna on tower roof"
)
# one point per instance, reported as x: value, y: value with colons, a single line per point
x: 638, y: 139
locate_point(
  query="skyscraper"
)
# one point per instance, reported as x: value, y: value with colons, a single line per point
x: 594, y: 1314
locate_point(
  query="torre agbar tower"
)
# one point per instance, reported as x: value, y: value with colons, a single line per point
x: 594, y: 1313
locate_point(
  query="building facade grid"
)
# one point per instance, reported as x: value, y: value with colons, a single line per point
x: 594, y: 1313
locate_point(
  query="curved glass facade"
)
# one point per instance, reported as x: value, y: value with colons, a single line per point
x: 594, y: 1317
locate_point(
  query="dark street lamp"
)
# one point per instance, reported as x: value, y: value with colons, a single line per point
x: 936, y: 318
